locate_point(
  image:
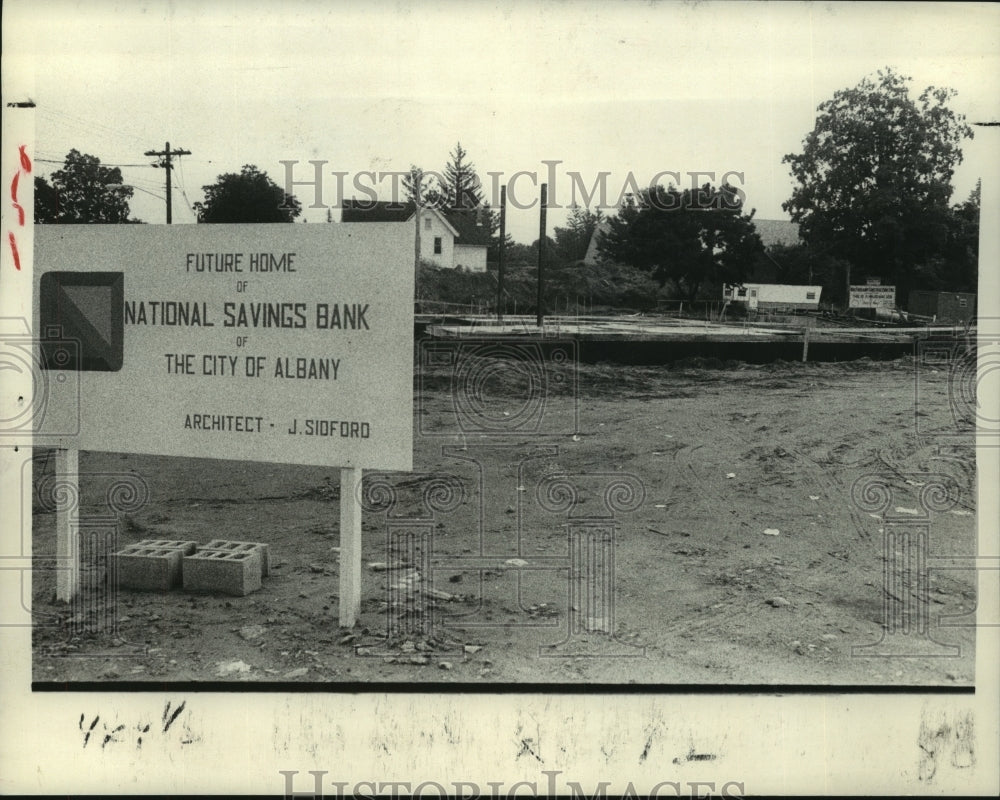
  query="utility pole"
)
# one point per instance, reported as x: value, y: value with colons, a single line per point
x: 166, y: 154
x: 418, y: 179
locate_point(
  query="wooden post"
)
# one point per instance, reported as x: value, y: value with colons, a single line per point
x: 417, y: 177
x: 541, y: 255
x: 502, y: 254
x: 847, y: 284
x: 67, y: 524
x: 805, y: 343
x: 350, y: 546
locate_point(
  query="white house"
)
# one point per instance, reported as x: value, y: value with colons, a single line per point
x: 441, y: 240
x: 437, y: 237
x: 470, y: 256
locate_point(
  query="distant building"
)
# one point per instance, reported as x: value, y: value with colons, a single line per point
x: 474, y: 239
x: 592, y: 257
x: 773, y: 296
x: 943, y: 306
x: 449, y: 240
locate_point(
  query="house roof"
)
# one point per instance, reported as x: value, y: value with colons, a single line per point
x: 472, y: 228
x: 777, y: 231
x: 592, y: 255
x: 390, y: 211
x: 375, y: 211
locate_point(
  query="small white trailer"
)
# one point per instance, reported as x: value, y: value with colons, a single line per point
x: 773, y: 296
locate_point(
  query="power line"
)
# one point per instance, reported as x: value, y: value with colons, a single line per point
x: 167, y: 154
x: 90, y: 126
x: 132, y: 186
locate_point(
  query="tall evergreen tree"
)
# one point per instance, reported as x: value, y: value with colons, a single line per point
x: 462, y: 188
x: 424, y: 187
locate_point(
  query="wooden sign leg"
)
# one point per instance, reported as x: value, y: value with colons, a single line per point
x: 350, y: 546
x: 67, y: 524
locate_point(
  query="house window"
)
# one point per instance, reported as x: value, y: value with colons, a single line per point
x: 437, y: 245
x: 427, y: 223
x: 810, y: 295
x: 961, y: 302
x: 753, y: 292
x: 742, y: 292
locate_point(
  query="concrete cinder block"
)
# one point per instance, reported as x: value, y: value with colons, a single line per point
x: 225, y: 545
x: 148, y: 568
x: 187, y: 548
x: 228, y: 572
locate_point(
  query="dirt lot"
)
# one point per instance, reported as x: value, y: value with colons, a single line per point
x: 699, y: 590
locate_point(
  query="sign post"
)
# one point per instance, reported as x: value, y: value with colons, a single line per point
x: 67, y: 490
x: 350, y: 546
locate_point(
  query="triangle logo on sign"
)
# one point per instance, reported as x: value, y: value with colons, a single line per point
x: 82, y: 320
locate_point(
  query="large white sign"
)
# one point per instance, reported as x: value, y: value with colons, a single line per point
x: 283, y: 343
x: 872, y: 297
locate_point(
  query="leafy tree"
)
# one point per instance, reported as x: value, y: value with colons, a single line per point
x: 247, y: 196
x: 550, y: 248
x: 956, y: 268
x: 874, y: 178
x: 46, y: 202
x: 691, y: 238
x: 83, y: 191
x: 962, y: 259
x: 518, y: 253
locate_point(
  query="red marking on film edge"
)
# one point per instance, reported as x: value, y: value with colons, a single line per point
x: 13, y: 197
x: 26, y: 166
x: 13, y: 248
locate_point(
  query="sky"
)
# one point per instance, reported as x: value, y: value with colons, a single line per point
x: 598, y: 87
